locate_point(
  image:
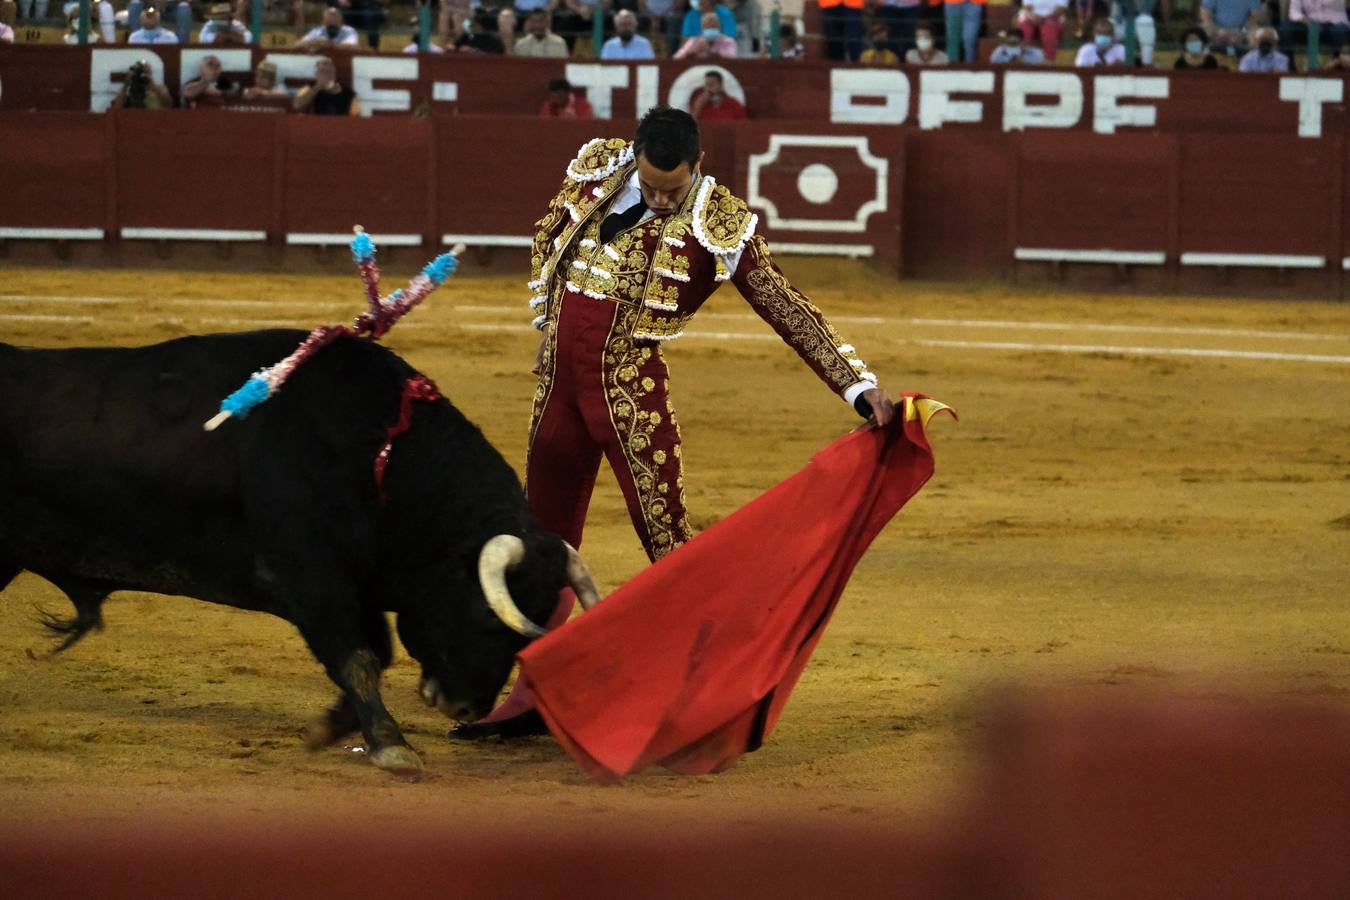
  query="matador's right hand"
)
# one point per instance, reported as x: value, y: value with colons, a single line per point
x: 539, y: 355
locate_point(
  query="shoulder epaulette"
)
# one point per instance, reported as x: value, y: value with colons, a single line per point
x: 722, y: 221
x: 599, y: 159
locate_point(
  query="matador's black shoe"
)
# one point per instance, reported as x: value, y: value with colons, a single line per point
x: 524, y: 725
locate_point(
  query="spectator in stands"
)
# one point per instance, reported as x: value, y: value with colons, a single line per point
x: 748, y: 29
x: 32, y: 10
x: 1145, y: 29
x: 210, y: 86
x: 151, y: 32
x: 326, y: 96
x: 539, y: 40
x: 1104, y: 49
x: 364, y: 15
x: 331, y: 35
x: 667, y: 16
x: 1342, y: 61
x: 963, y: 18
x: 265, y: 85
x: 1043, y: 19
x: 223, y: 28
x: 843, y: 24
x: 507, y: 28
x: 790, y: 43
x: 712, y: 42
x: 925, y: 52
x: 178, y: 13
x: 1228, y: 21
x: 141, y: 91
x: 627, y: 43
x: 1328, y: 14
x: 1195, y: 51
x: 481, y: 35
x: 72, y: 35
x: 6, y: 34
x: 577, y: 17
x: 1265, y: 56
x: 694, y: 24
x: 523, y: 8
x: 433, y: 39
x: 564, y: 102
x: 1010, y: 51
x: 877, y: 47
x: 901, y: 18
x: 712, y: 103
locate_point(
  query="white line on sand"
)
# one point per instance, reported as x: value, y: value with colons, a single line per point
x: 520, y: 309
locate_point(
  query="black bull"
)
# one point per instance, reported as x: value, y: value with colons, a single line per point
x: 108, y: 482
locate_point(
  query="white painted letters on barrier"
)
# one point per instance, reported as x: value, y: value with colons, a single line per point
x: 848, y: 86
x: 936, y: 106
x: 1065, y: 87
x: 1108, y: 90
x: 599, y: 82
x: 1310, y: 94
x: 648, y: 89
x: 365, y: 69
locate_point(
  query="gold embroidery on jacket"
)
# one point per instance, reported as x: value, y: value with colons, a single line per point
x: 789, y: 311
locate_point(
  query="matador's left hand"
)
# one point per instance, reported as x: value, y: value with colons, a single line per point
x: 883, y: 410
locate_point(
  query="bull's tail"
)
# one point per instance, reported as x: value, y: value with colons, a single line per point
x: 88, y: 601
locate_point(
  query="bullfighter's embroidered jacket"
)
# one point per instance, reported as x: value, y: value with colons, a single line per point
x: 668, y: 265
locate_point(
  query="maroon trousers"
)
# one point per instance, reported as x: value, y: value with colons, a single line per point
x: 600, y: 394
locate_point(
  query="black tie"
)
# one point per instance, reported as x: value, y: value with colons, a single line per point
x: 617, y: 222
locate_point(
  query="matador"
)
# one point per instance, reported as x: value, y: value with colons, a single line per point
x: 631, y: 247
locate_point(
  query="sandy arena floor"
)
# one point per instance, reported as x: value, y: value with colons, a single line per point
x: 1170, y: 510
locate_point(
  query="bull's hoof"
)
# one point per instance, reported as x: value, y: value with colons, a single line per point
x: 398, y: 760
x: 524, y: 725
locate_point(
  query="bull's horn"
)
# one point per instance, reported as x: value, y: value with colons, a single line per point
x: 505, y: 551
x: 580, y: 580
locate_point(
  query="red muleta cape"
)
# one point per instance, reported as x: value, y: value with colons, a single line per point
x: 690, y: 663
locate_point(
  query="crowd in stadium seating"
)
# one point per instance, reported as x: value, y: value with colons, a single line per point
x: 1254, y: 35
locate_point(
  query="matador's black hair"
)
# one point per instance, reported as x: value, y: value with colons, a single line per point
x: 667, y: 137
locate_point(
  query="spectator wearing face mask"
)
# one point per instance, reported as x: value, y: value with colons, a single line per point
x: 1195, y: 51
x: 1104, y: 50
x: 877, y: 48
x: 1264, y: 57
x: 1010, y: 51
x: 925, y: 52
x: 151, y: 32
x: 712, y: 103
x: 331, y: 35
x: 712, y: 42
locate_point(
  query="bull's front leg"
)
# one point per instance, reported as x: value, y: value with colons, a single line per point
x: 384, y: 741
x: 357, y: 670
